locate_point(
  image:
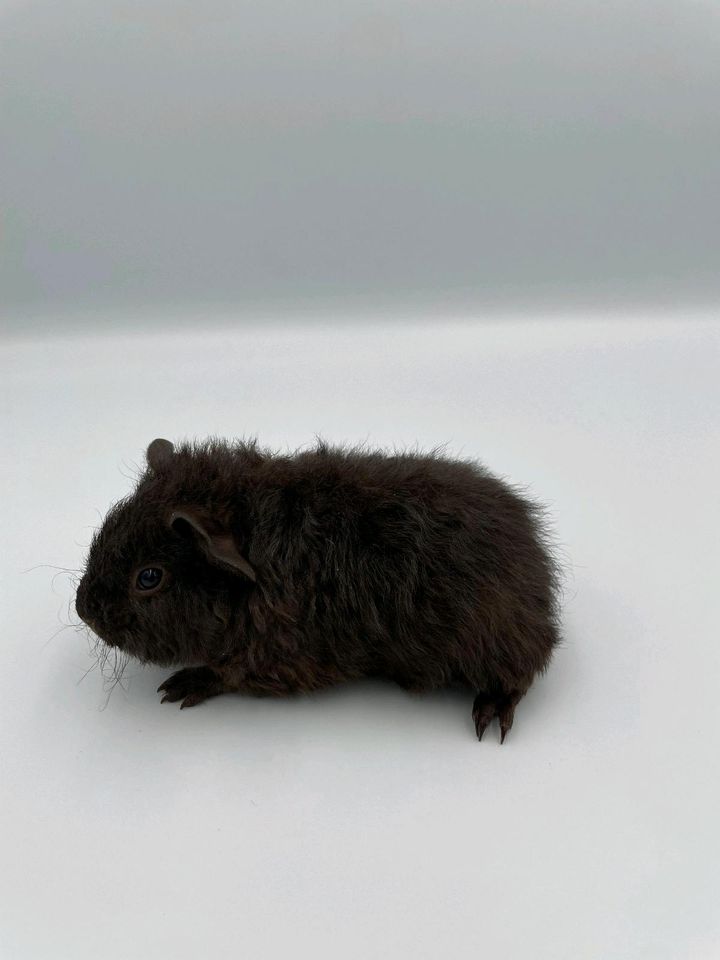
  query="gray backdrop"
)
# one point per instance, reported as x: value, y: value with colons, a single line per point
x: 237, y: 157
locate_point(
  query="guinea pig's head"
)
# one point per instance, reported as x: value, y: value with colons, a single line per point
x: 164, y: 573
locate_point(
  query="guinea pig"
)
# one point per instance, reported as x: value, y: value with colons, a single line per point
x: 275, y: 573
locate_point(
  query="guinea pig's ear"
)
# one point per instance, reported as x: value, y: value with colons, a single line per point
x: 159, y: 454
x: 215, y: 540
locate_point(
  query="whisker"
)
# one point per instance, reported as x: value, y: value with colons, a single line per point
x: 114, y: 676
x: 89, y: 670
x: 64, y: 626
x: 73, y: 577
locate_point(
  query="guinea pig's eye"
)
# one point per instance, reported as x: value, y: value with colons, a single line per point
x: 149, y: 578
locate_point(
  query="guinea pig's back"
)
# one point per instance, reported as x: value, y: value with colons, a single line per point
x: 435, y: 560
x: 471, y: 581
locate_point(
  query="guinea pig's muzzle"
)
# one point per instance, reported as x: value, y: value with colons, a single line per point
x: 84, y: 608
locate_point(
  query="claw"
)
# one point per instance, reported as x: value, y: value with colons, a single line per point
x: 192, y: 699
x: 483, y: 713
x: 506, y: 722
x: 480, y: 728
x: 172, y: 696
x: 192, y: 685
x: 487, y: 707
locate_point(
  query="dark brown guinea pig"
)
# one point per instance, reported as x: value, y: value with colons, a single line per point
x: 270, y: 574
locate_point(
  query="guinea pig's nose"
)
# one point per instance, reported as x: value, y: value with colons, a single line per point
x: 80, y: 600
x: 81, y: 604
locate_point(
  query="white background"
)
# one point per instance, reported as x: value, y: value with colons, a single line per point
x: 364, y: 822
x: 491, y: 225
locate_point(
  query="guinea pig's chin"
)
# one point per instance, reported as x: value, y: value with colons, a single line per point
x: 100, y: 633
x: 140, y: 649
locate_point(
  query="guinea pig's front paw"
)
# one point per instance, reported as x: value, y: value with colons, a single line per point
x: 191, y: 685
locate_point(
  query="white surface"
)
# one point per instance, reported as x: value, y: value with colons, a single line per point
x: 363, y: 822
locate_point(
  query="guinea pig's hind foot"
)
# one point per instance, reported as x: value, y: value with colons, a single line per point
x: 192, y: 685
x: 487, y: 706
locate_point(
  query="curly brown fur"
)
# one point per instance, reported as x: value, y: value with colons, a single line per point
x: 284, y: 573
